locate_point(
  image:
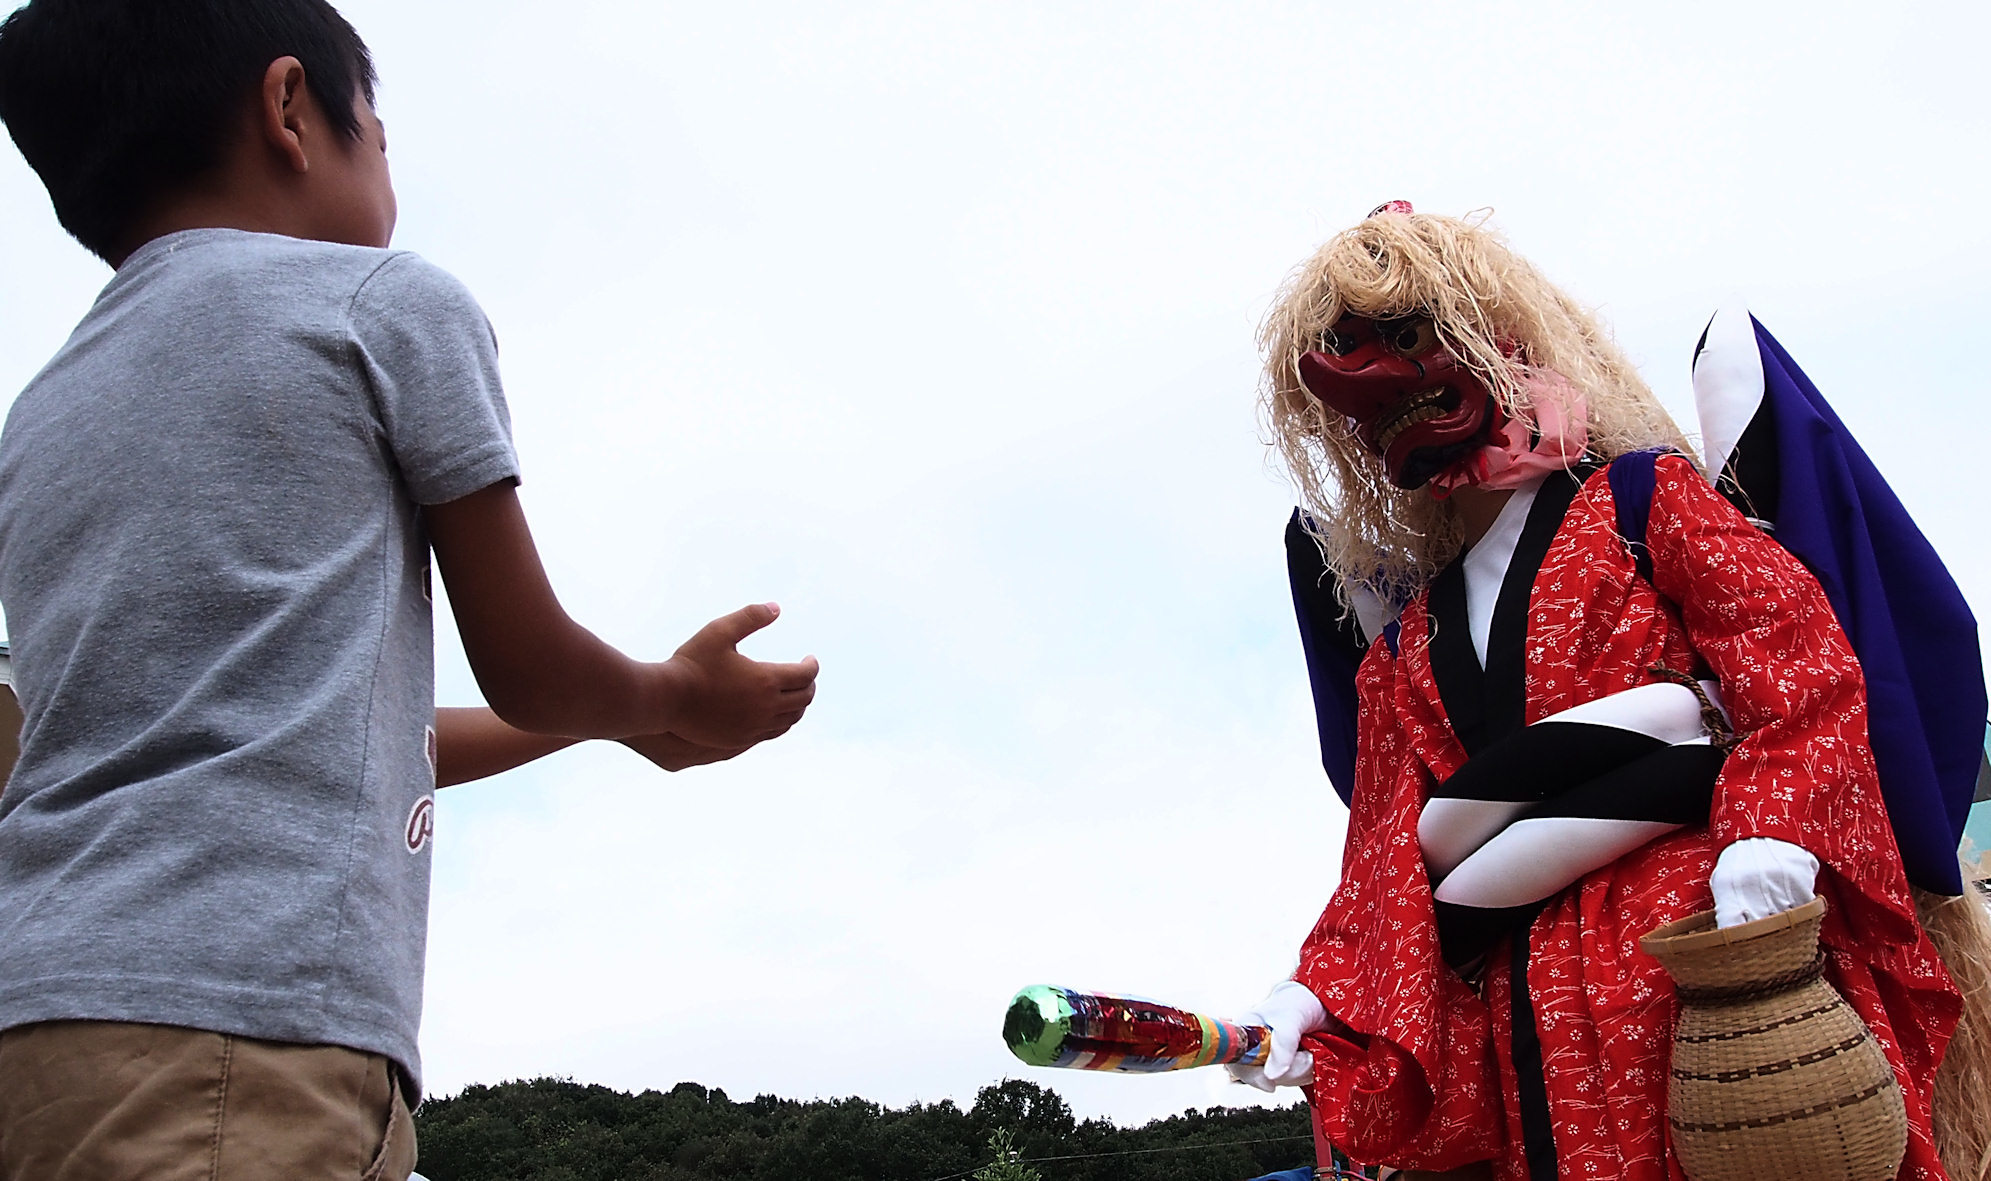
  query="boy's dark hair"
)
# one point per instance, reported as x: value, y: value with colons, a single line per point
x: 117, y: 104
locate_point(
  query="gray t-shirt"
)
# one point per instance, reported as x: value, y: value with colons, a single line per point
x: 216, y: 578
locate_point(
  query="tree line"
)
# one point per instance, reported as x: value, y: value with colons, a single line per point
x: 558, y: 1130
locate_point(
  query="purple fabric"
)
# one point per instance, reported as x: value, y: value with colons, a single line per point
x: 1634, y: 478
x: 1915, y: 635
x: 1333, y: 650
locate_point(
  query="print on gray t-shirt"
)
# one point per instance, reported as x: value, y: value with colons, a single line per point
x: 215, y: 576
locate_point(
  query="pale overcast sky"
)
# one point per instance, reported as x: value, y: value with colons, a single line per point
x: 934, y: 323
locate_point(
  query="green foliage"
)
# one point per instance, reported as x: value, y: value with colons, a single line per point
x: 1007, y: 1165
x: 559, y: 1130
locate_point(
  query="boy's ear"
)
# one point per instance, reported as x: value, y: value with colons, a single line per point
x: 284, y: 112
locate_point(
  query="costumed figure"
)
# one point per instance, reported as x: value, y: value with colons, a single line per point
x: 1571, y: 693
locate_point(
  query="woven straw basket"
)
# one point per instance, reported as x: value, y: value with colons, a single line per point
x: 1773, y: 1075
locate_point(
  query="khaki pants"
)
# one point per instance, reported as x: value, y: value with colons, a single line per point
x: 105, y: 1101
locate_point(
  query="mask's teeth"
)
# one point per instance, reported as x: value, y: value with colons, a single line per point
x: 1405, y: 421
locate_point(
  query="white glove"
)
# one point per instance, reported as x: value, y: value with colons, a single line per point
x: 1292, y: 1011
x: 1761, y: 876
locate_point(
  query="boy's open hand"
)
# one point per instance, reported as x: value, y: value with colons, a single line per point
x: 675, y: 754
x: 729, y: 701
x: 545, y: 674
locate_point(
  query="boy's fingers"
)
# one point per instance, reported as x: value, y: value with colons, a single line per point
x: 796, y: 676
x: 781, y: 724
x: 731, y: 629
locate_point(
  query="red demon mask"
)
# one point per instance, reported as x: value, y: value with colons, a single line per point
x: 1411, y: 401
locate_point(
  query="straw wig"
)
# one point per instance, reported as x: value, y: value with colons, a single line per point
x: 1497, y: 315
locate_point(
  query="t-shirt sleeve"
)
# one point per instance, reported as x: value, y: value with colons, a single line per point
x: 432, y: 362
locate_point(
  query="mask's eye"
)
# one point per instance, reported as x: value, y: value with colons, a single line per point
x: 1336, y: 342
x: 1408, y: 337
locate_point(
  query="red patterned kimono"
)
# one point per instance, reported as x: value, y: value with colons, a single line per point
x: 1428, y: 1077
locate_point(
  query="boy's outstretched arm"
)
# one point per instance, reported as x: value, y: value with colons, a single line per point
x: 545, y: 674
x: 473, y: 743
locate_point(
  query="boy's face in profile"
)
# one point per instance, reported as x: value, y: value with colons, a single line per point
x: 356, y: 194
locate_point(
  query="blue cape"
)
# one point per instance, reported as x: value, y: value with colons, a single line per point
x: 1915, y: 635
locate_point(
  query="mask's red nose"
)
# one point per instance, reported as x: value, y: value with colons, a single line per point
x: 1362, y: 383
x: 1408, y: 398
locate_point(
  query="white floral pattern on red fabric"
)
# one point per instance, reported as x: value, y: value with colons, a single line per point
x: 1426, y: 1079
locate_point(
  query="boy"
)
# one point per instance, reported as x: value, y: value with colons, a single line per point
x: 216, y: 507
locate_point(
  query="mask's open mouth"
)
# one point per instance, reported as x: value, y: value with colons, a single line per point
x: 1413, y: 409
x: 1425, y: 462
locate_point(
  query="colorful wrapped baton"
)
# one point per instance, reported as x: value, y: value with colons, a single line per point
x: 1051, y: 1026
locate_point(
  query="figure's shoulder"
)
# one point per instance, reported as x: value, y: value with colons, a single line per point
x: 1673, y: 468
x: 1682, y: 489
x: 1626, y: 487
